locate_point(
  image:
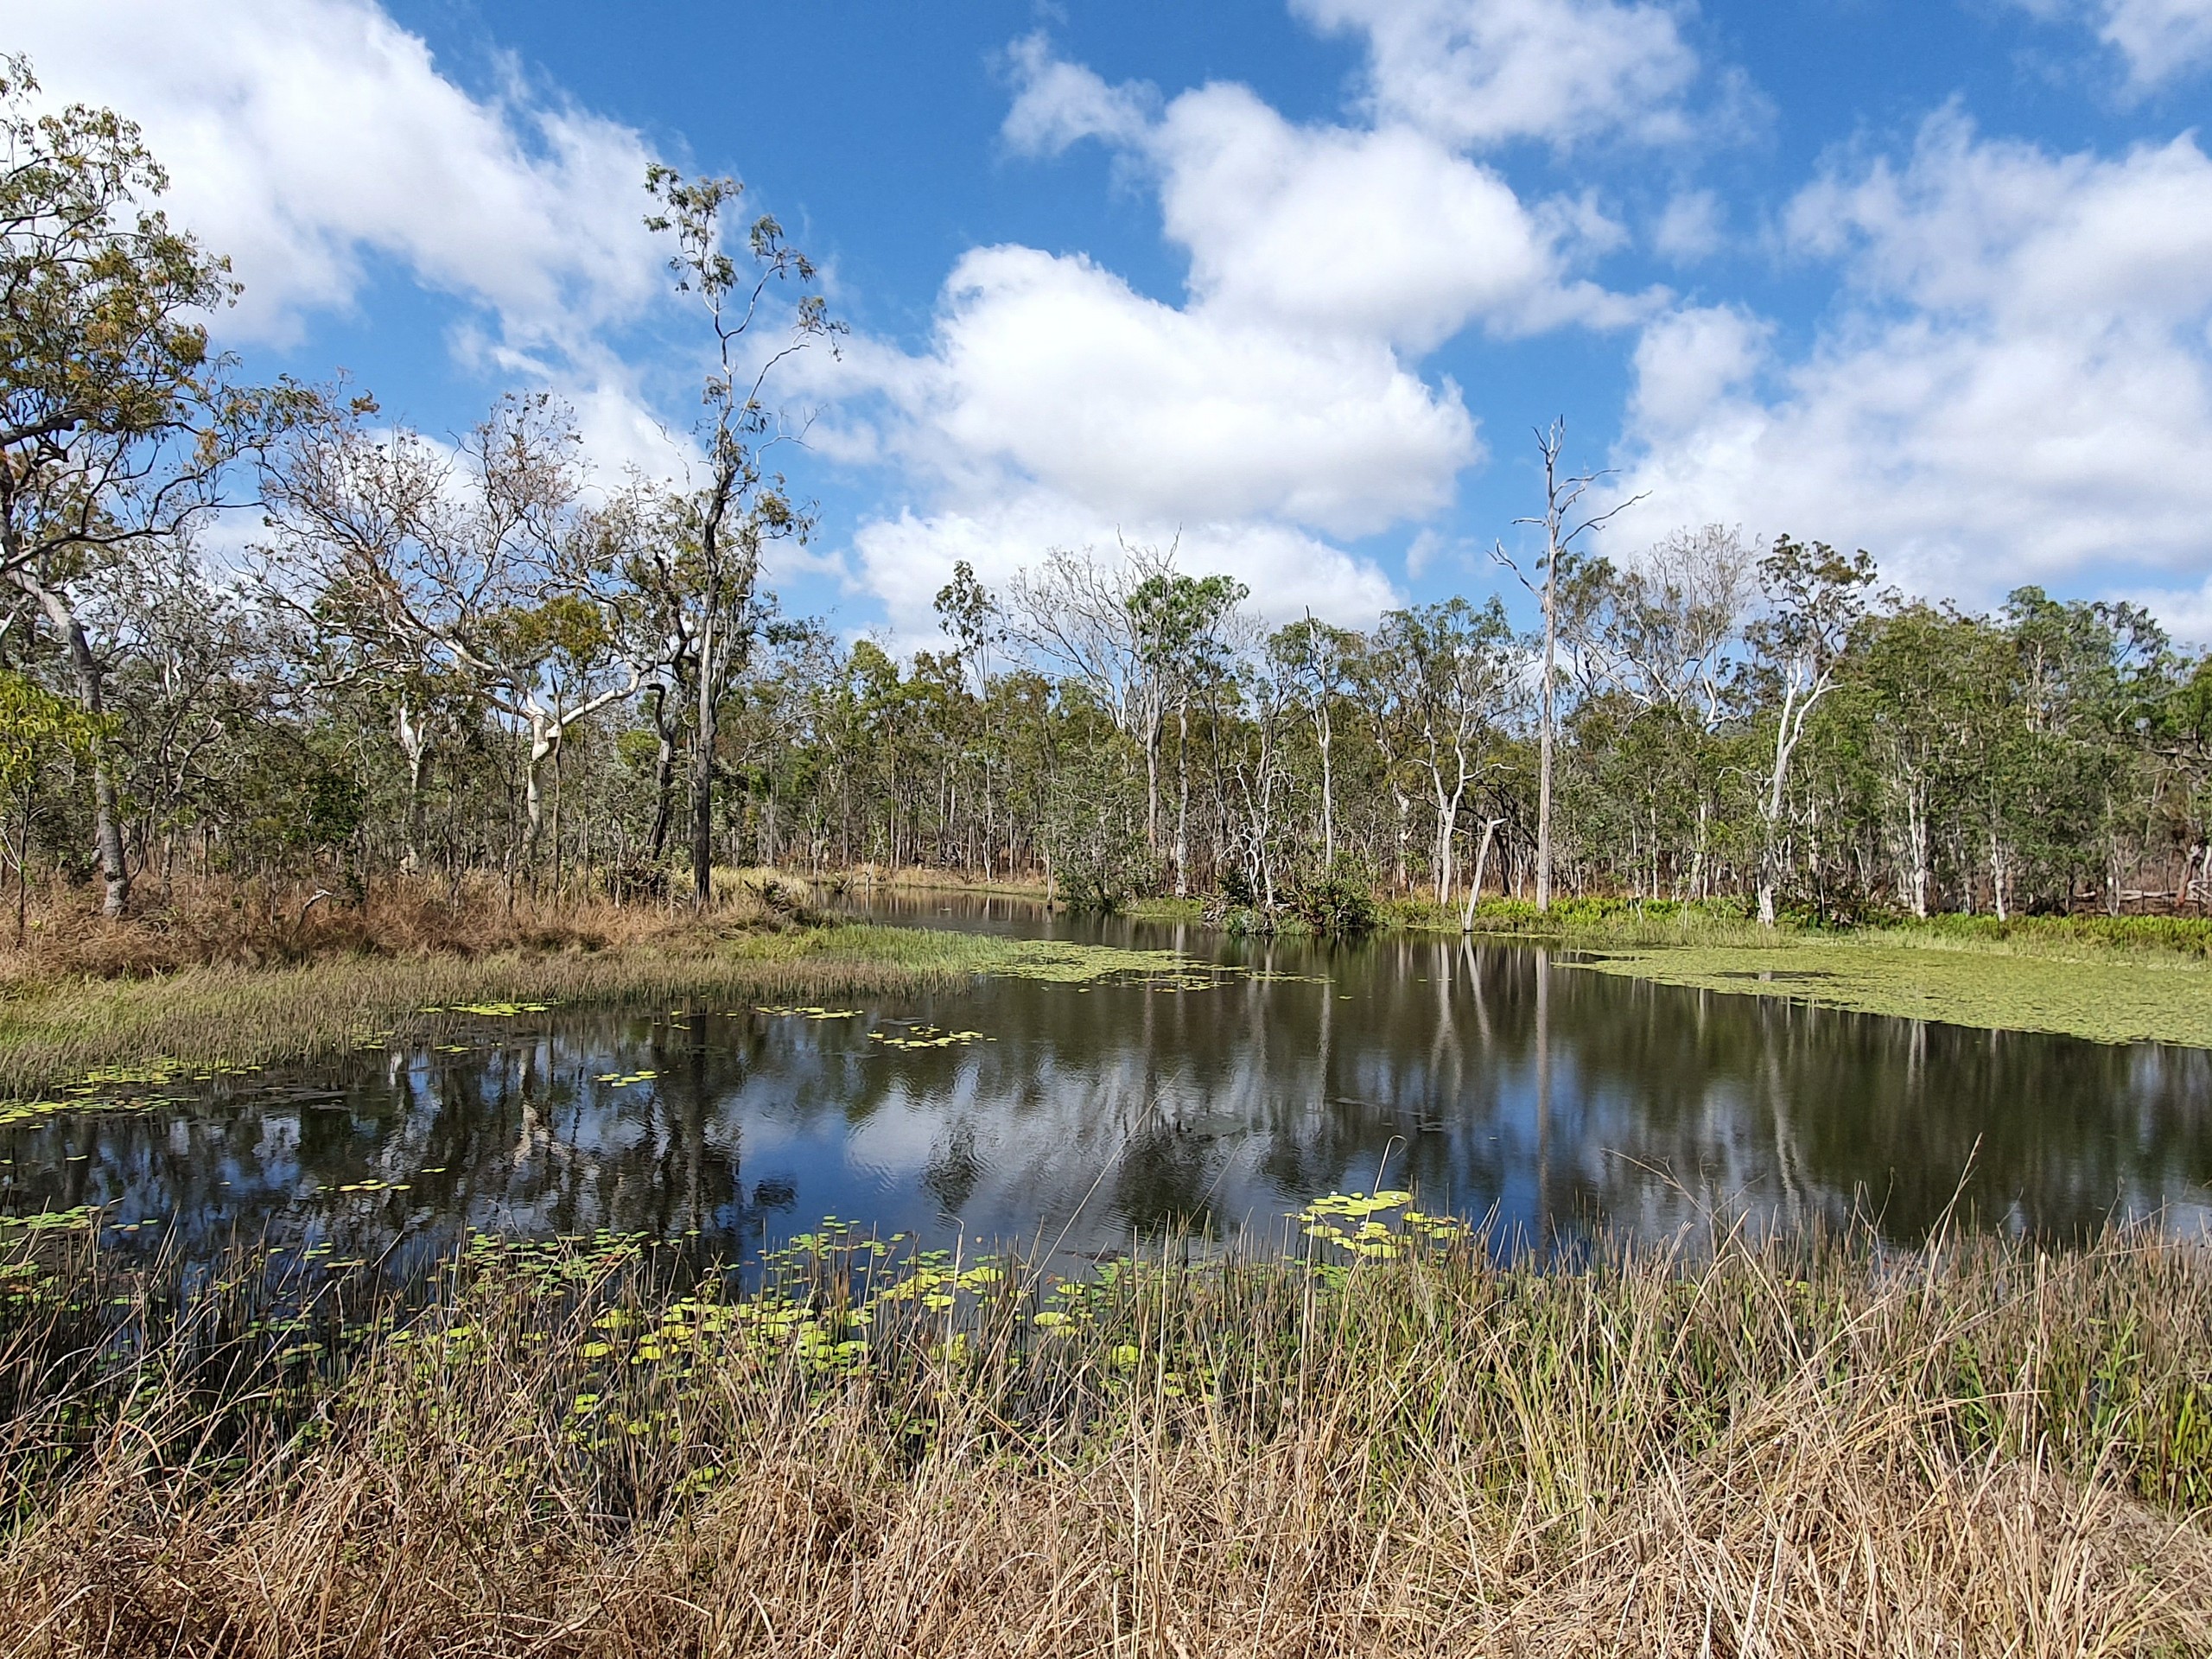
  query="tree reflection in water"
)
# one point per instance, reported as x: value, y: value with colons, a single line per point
x: 1492, y: 1079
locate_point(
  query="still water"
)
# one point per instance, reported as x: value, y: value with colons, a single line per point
x: 1495, y: 1080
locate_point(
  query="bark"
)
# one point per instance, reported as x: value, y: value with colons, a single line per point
x: 1323, y: 734
x: 1152, y: 784
x: 1796, y: 707
x: 91, y: 674
x: 1183, y: 800
x: 1481, y: 861
x: 414, y: 739
x: 702, y: 774
x: 1544, y: 747
x: 665, y: 777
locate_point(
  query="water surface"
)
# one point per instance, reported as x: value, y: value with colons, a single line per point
x: 1494, y: 1079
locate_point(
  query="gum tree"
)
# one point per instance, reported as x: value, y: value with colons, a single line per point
x: 119, y: 425
x: 1815, y: 598
x: 703, y: 574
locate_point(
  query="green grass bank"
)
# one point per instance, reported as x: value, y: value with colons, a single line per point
x: 54, y: 1031
x: 2106, y: 998
x: 2108, y: 979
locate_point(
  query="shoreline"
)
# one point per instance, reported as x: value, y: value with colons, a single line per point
x: 56, y: 1030
x: 57, y: 1035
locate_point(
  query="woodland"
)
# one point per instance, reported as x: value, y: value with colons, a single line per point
x: 261, y: 635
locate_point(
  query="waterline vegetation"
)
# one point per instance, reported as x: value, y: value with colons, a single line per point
x: 1805, y: 1447
x: 53, y: 1031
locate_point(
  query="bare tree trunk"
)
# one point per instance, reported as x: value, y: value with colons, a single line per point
x: 665, y: 728
x: 1182, y: 799
x: 1481, y: 861
x: 107, y: 820
x: 1916, y: 834
x: 702, y: 776
x: 543, y: 739
x: 414, y: 737
x: 1544, y: 739
x: 1770, y: 848
x: 1322, y: 734
x: 1152, y: 787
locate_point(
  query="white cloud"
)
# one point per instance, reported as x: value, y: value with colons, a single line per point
x: 2160, y: 40
x: 307, y: 138
x: 1058, y: 104
x: 1689, y: 361
x: 1692, y: 226
x: 1278, y: 403
x: 2018, y: 389
x: 1384, y: 233
x: 1483, y: 72
x: 1139, y: 409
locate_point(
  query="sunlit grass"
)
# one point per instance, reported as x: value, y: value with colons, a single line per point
x: 2106, y: 997
x: 1757, y: 1447
x: 200, y: 1020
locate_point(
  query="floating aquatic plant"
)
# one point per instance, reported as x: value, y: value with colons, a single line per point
x: 1353, y: 1222
x: 925, y: 1036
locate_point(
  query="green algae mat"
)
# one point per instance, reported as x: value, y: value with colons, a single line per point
x: 2106, y: 999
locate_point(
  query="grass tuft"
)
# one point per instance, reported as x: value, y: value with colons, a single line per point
x: 1777, y: 1448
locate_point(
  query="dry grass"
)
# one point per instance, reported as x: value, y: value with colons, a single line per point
x: 237, y: 977
x: 1776, y: 1451
x: 218, y: 924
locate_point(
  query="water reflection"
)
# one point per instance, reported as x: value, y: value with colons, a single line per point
x: 1492, y: 1079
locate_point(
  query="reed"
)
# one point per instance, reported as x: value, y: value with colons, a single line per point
x: 1769, y: 1448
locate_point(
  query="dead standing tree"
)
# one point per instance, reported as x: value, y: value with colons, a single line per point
x: 1561, y: 531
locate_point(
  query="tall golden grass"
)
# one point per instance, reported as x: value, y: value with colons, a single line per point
x: 218, y: 923
x: 1774, y: 1449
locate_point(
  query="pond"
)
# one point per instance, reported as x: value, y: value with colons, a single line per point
x: 1494, y: 1079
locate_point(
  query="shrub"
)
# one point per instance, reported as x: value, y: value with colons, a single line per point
x: 1339, y: 905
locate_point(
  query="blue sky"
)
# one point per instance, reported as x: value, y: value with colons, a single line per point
x: 1290, y: 281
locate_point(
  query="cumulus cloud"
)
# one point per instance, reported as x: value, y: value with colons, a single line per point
x: 1384, y: 232
x: 308, y: 138
x: 1479, y: 73
x: 1380, y: 233
x: 2018, y: 387
x: 1133, y: 407
x: 1278, y: 402
x: 2160, y: 40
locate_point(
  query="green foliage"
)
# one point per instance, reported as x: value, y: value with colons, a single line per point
x: 1339, y: 904
x: 39, y: 731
